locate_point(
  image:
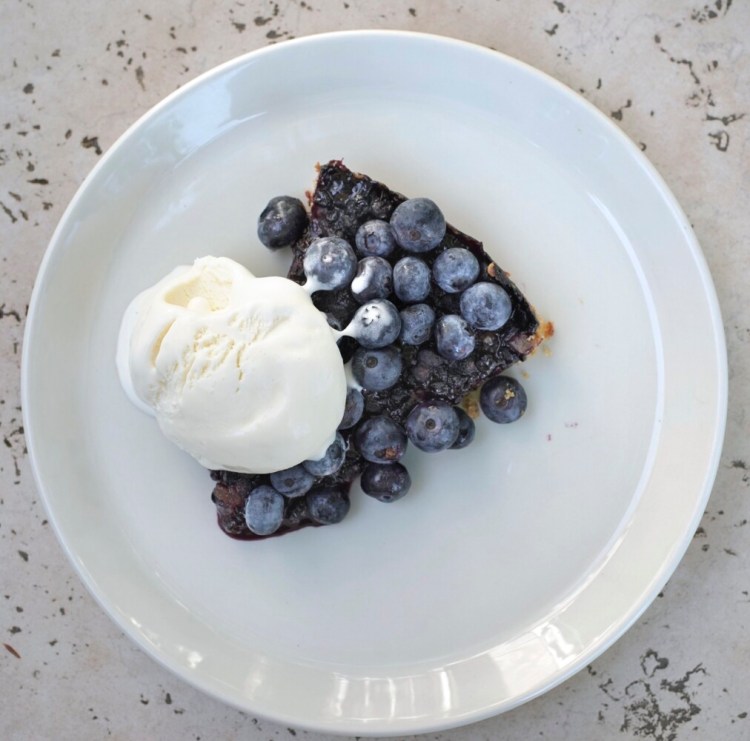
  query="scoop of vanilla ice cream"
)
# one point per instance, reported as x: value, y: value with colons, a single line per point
x: 241, y: 372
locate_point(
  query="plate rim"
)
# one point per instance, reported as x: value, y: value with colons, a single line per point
x: 398, y: 726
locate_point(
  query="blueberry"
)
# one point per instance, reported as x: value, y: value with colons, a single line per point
x: 386, y: 482
x: 375, y: 324
x: 432, y: 426
x: 327, y: 505
x: 292, y: 482
x: 331, y: 461
x: 264, y: 510
x: 282, y: 222
x: 453, y: 338
x: 416, y: 324
x: 466, y: 429
x: 485, y: 306
x: 418, y: 224
x: 380, y: 440
x: 411, y: 279
x: 502, y: 399
x: 374, y: 279
x: 376, y: 370
x: 353, y: 408
x: 329, y: 263
x: 375, y: 238
x: 455, y: 269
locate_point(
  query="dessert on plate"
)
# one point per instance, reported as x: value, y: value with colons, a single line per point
x: 289, y: 389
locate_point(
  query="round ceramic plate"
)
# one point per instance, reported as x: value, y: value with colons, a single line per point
x: 512, y: 563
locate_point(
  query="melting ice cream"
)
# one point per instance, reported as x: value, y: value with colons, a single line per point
x: 243, y: 373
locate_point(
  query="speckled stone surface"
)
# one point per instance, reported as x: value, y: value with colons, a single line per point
x: 675, y: 75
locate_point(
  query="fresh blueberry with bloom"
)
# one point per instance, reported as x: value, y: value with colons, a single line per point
x: 327, y: 505
x: 375, y: 324
x: 376, y: 370
x: 331, y: 461
x: 417, y: 321
x: 466, y: 429
x: 418, y: 224
x: 432, y: 426
x: 486, y: 306
x: 282, y: 222
x: 453, y: 337
x: 264, y: 510
x: 329, y: 263
x: 380, y: 440
x: 374, y: 279
x: 455, y: 269
x: 411, y: 279
x: 386, y: 482
x: 292, y: 482
x: 354, y: 407
x: 375, y: 238
x: 502, y: 399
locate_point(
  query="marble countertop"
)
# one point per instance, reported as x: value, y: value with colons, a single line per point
x: 674, y: 75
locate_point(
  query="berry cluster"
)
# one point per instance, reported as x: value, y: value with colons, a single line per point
x: 414, y: 311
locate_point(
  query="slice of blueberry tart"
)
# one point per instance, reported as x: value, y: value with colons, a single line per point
x: 424, y: 318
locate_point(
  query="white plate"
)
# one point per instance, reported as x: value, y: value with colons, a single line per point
x: 512, y: 563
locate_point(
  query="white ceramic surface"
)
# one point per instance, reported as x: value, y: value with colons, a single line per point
x: 512, y: 563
